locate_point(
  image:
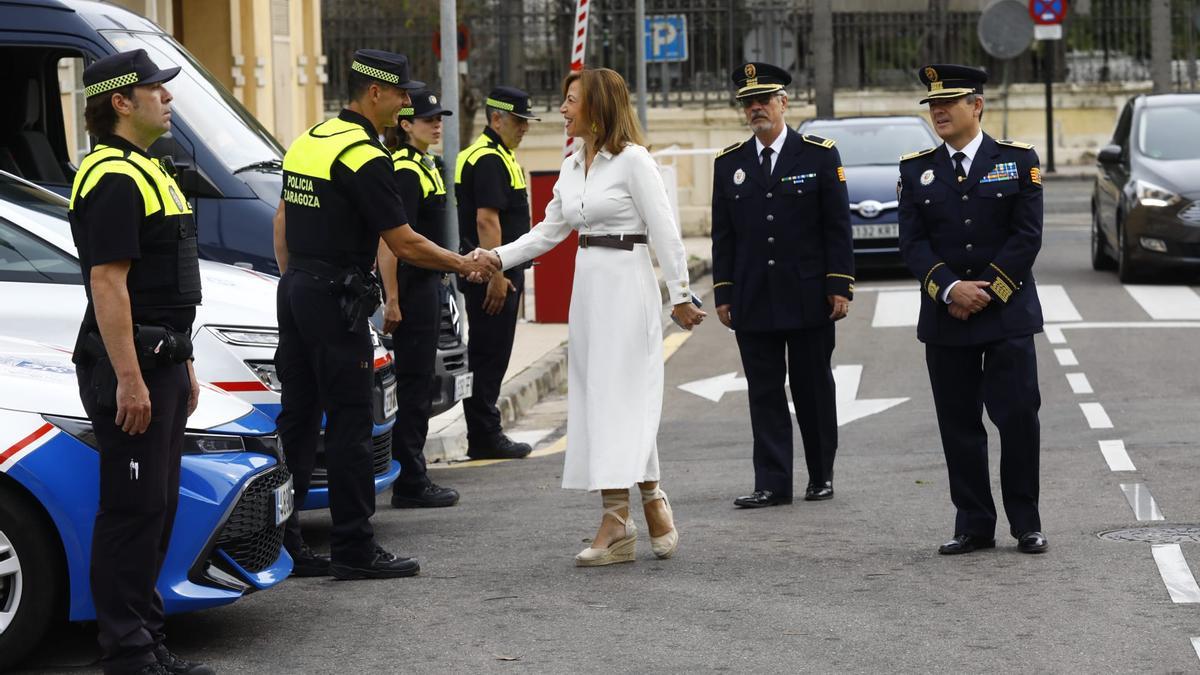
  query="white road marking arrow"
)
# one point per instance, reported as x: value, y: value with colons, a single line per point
x: 713, y: 388
x: 847, y: 378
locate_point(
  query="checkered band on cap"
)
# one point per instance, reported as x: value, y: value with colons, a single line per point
x: 406, y: 112
x: 375, y: 73
x: 499, y: 105
x: 110, y: 84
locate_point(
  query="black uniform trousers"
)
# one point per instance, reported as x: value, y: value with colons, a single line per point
x: 325, y: 368
x: 1001, y: 376
x: 139, y: 491
x: 803, y: 356
x: 489, y: 347
x: 415, y: 343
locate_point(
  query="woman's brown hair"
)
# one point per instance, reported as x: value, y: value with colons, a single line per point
x: 604, y: 100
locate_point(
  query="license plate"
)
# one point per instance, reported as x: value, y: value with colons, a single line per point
x: 463, y: 385
x: 389, y: 401
x: 284, y: 502
x: 883, y: 231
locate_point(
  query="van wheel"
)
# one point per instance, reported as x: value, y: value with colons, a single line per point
x: 1125, y: 271
x: 29, y: 567
x: 1101, y: 260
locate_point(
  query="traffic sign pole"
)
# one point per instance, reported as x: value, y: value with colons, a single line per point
x: 1048, y: 15
x: 1048, y: 66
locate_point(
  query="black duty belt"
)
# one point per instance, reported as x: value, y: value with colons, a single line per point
x: 624, y: 242
x: 319, y: 268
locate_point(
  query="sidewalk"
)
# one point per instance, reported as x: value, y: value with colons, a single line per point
x: 537, y: 369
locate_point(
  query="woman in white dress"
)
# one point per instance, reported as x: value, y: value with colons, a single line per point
x: 610, y: 190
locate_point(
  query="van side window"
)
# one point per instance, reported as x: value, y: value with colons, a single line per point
x: 70, y: 90
x: 43, y: 112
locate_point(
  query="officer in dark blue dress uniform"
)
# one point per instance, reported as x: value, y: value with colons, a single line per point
x: 340, y: 197
x: 783, y: 272
x: 970, y: 229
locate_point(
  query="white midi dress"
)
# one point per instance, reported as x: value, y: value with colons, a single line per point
x: 614, y: 348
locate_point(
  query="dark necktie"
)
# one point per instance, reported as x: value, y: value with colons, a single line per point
x: 958, y: 166
x: 766, y: 164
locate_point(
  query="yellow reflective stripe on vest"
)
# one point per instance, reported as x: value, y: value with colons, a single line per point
x: 430, y: 177
x: 358, y: 155
x: 157, y: 189
x: 315, y: 151
x: 427, y: 185
x: 484, y: 146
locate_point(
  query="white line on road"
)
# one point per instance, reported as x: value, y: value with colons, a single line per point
x: 1196, y: 646
x: 1141, y: 501
x: 1176, y: 574
x: 1166, y: 302
x: 1114, y: 453
x: 1079, y: 383
x: 1066, y: 357
x: 1096, y: 417
x: 1055, y: 331
x: 896, y: 308
x: 1056, y: 304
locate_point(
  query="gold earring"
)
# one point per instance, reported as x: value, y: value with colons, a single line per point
x: 595, y: 129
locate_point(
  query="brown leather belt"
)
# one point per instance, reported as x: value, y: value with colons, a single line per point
x: 624, y: 242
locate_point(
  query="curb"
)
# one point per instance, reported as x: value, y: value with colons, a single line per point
x: 547, y: 376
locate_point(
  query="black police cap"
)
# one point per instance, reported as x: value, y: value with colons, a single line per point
x: 424, y: 104
x: 513, y: 100
x: 387, y: 67
x: 946, y: 81
x: 121, y: 70
x: 752, y: 79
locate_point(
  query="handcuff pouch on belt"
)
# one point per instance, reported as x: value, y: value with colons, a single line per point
x: 154, y: 345
x: 359, y: 293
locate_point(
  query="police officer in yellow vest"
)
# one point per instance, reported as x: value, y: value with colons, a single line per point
x: 137, y: 252
x: 493, y: 209
x: 413, y: 300
x: 339, y: 198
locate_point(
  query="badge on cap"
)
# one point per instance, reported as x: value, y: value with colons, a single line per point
x: 432, y: 100
x: 927, y: 177
x: 931, y: 74
x: 739, y: 176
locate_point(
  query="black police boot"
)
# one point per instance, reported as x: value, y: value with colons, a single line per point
x: 499, y: 447
x: 151, y: 669
x: 424, y: 495
x: 383, y: 565
x: 307, y: 563
x: 174, y: 665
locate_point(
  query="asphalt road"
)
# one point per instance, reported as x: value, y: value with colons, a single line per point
x: 850, y: 585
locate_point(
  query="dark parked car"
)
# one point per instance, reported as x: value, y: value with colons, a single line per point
x: 1145, y: 213
x: 871, y: 148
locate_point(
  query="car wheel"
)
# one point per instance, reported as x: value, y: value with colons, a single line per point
x: 1101, y: 260
x: 29, y: 586
x: 1125, y: 271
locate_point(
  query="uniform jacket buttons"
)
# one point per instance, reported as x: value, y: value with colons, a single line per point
x: 967, y: 221
x: 999, y: 194
x: 770, y: 263
x: 770, y: 217
x: 769, y: 195
x: 970, y: 271
x: 770, y: 240
x: 926, y: 201
x: 737, y: 196
x: 964, y: 198
x: 969, y: 247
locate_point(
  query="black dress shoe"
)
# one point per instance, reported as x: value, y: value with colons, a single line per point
x: 426, y: 495
x: 761, y: 498
x: 383, y: 565
x: 500, y: 447
x: 965, y: 543
x: 171, y: 663
x: 307, y: 563
x: 819, y: 492
x: 1032, y: 542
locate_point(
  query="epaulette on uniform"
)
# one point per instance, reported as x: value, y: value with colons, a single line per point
x: 817, y: 140
x: 730, y: 149
x: 1016, y: 144
x: 914, y: 155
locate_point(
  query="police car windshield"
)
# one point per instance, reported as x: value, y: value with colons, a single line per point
x: 1171, y: 132
x: 880, y: 143
x: 212, y: 113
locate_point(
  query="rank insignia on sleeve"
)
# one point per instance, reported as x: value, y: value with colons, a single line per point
x: 1002, y: 290
x: 932, y: 289
x: 1035, y: 175
x: 842, y: 174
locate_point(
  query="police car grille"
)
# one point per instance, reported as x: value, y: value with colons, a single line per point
x: 381, y: 459
x: 1191, y: 214
x: 250, y: 537
x: 447, y: 337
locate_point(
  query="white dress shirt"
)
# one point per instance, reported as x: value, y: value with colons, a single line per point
x: 970, y: 150
x: 776, y: 147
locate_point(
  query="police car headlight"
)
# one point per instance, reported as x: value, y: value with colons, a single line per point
x: 208, y: 444
x: 266, y: 372
x: 80, y: 430
x: 1149, y: 194
x: 247, y: 337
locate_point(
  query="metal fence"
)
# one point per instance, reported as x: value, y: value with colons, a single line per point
x: 526, y: 43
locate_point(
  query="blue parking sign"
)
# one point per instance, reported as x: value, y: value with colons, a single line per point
x: 666, y: 38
